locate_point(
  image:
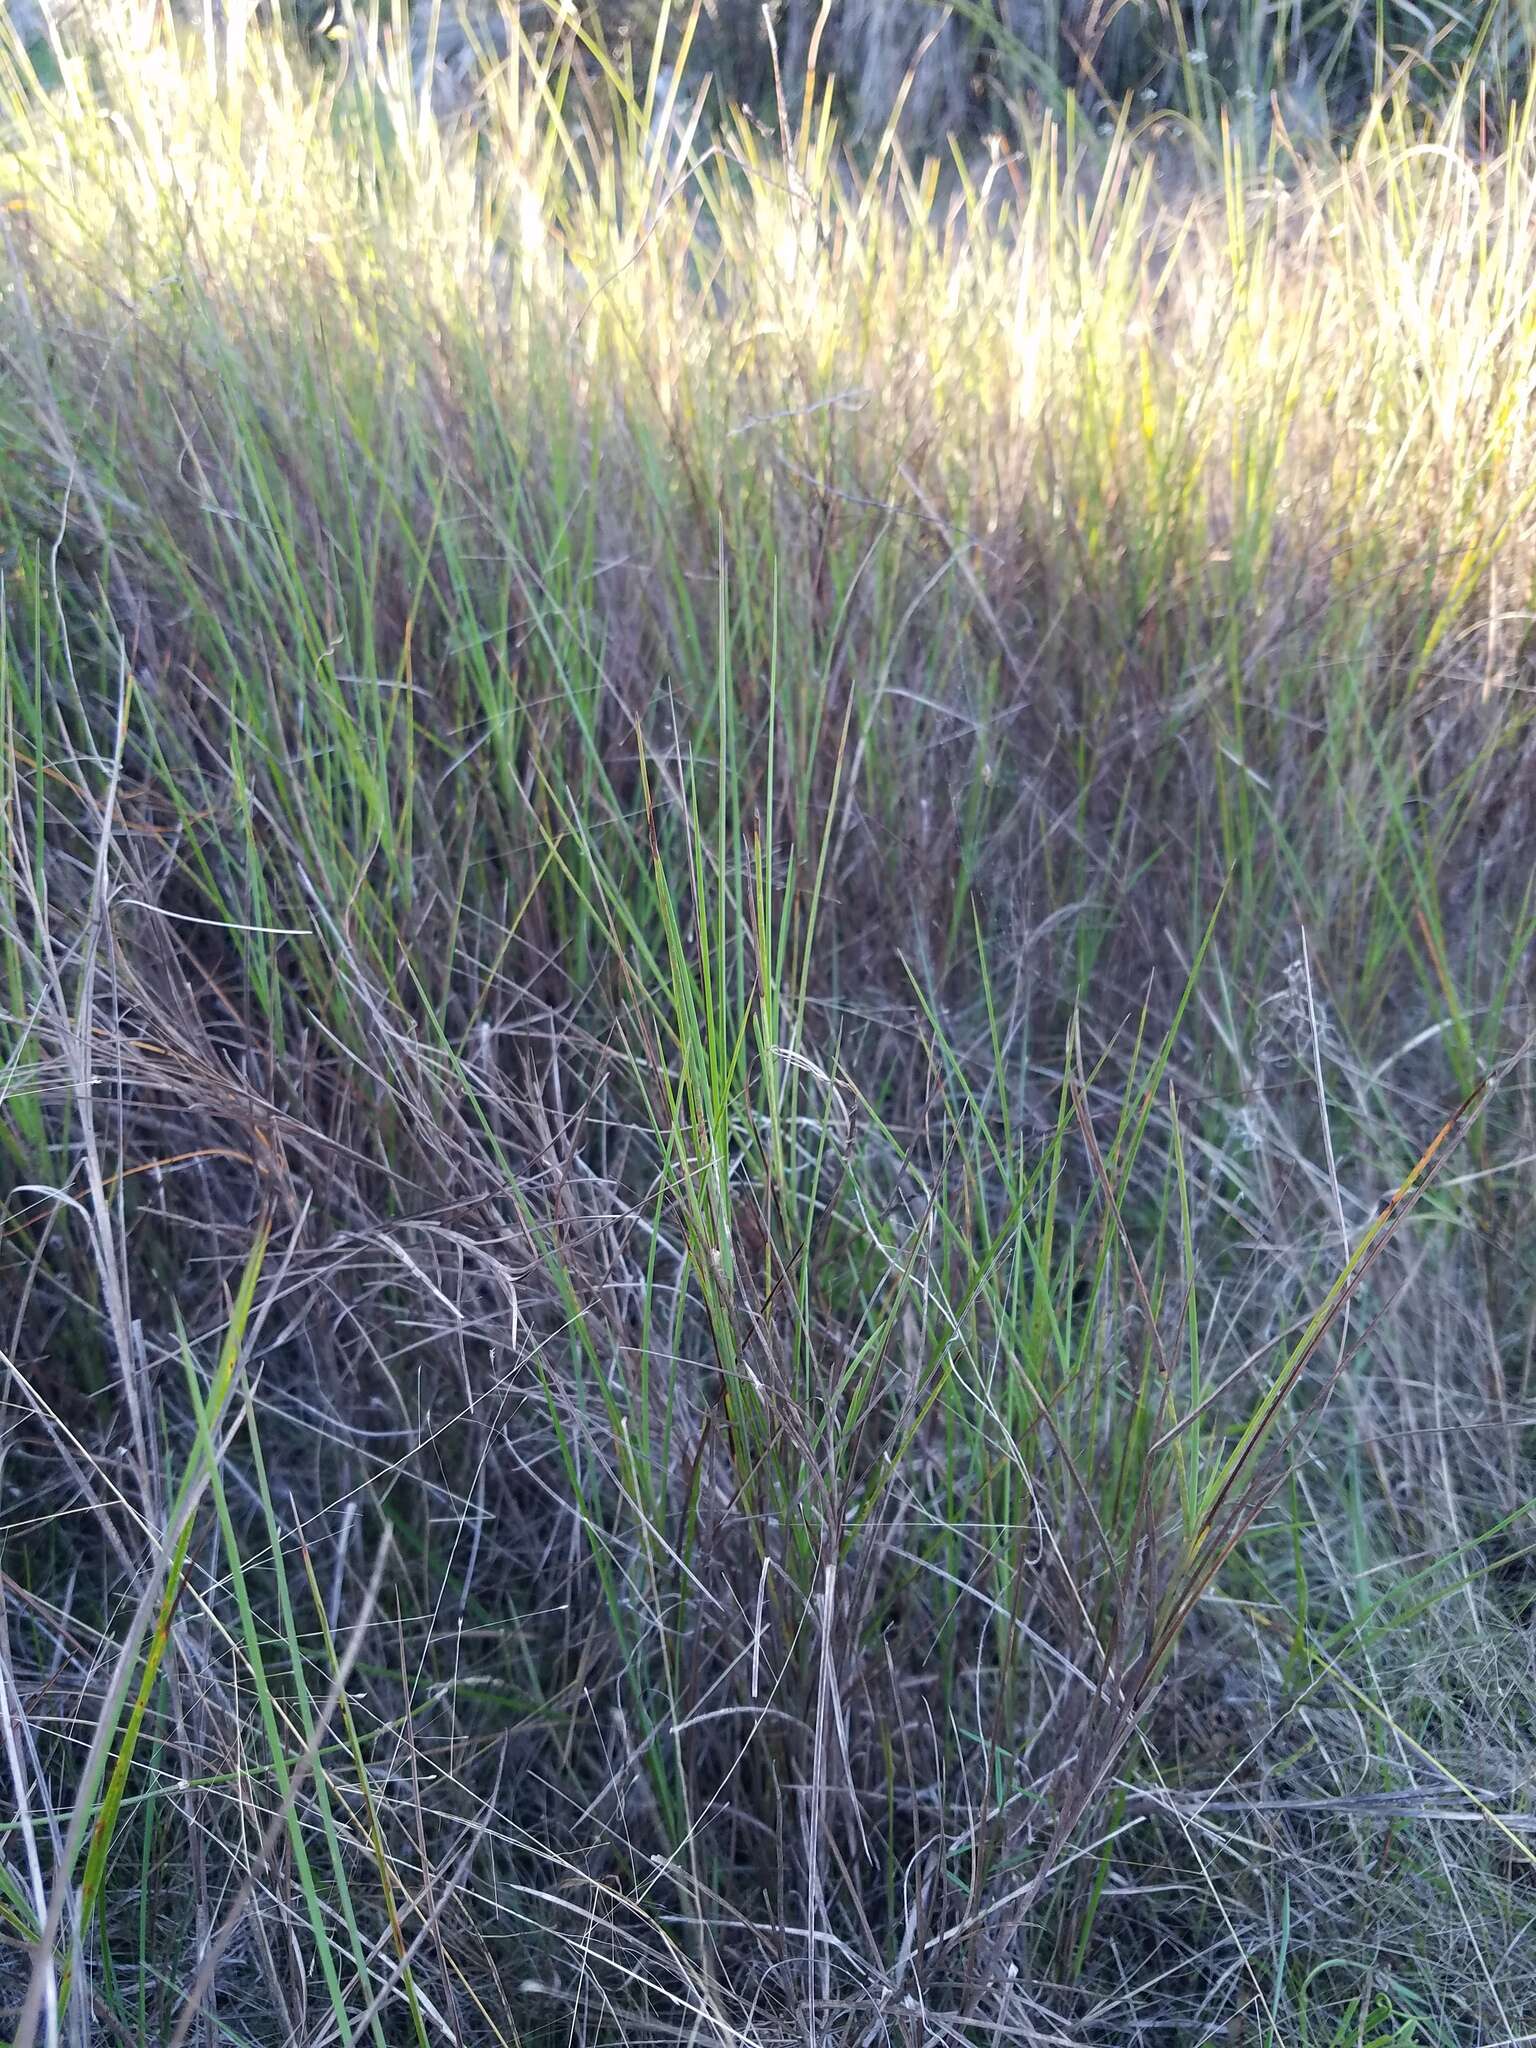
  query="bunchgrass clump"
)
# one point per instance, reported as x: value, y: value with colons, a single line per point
x: 765, y: 945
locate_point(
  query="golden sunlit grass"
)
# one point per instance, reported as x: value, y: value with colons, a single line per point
x: 807, y: 841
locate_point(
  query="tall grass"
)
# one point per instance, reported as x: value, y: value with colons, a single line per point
x: 966, y: 67
x: 766, y: 944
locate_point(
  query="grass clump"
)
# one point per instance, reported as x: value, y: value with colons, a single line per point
x: 766, y: 932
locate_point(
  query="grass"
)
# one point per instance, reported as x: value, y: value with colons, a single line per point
x: 1313, y: 66
x: 766, y: 935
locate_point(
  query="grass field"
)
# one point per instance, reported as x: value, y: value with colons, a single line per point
x: 768, y: 1139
